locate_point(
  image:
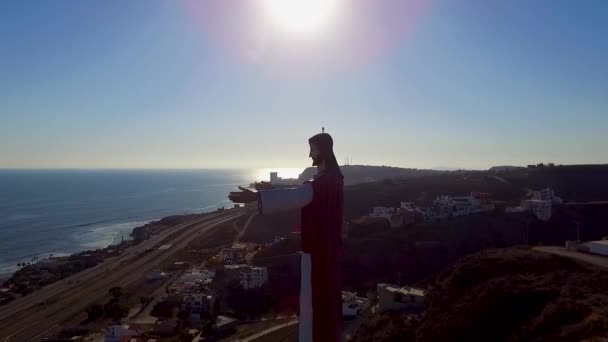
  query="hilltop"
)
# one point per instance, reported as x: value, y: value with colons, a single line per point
x: 505, y: 295
x: 575, y: 183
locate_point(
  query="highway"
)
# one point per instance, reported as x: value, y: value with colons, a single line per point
x: 28, y: 318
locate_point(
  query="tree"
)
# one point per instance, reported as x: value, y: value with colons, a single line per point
x: 115, y: 292
x: 94, y: 311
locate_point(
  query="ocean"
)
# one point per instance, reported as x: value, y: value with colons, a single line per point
x: 67, y: 211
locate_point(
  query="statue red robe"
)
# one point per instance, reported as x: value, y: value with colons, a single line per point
x: 321, y: 200
x: 322, y: 239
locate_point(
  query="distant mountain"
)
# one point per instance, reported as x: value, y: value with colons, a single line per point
x: 355, y: 174
x: 504, y: 168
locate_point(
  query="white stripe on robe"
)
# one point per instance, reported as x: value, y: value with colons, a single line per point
x: 305, y: 332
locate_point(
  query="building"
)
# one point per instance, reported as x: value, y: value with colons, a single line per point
x: 232, y: 272
x: 547, y: 194
x: 542, y: 209
x: 475, y: 202
x: 274, y: 177
x: 117, y: 332
x: 198, y: 303
x: 392, y: 297
x: 394, y: 218
x: 276, y: 180
x: 198, y: 275
x: 441, y: 209
x: 598, y: 247
x: 252, y: 277
x: 249, y: 277
x: 484, y: 201
x: 180, y: 288
x: 233, y: 255
x: 410, y: 214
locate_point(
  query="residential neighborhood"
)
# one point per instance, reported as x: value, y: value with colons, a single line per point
x: 445, y: 207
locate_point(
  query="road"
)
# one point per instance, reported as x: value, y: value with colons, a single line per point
x: 25, y: 319
x: 269, y: 330
x: 596, y: 260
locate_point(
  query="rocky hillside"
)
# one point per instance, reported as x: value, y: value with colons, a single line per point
x: 505, y: 295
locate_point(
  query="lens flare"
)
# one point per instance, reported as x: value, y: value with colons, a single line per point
x: 300, y: 16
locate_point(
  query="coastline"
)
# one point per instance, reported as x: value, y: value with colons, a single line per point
x: 104, y: 242
x: 92, y: 257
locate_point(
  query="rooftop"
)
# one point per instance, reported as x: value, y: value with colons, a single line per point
x: 406, y: 290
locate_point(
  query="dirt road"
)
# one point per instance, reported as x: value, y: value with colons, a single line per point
x: 596, y: 260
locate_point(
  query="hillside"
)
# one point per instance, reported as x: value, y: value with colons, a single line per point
x: 505, y: 295
x: 376, y: 253
x: 355, y: 174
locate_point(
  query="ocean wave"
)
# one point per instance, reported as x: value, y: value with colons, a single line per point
x: 101, y: 237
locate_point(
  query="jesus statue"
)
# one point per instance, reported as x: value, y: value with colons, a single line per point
x: 321, y: 202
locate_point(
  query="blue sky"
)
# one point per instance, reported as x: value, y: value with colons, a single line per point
x: 169, y: 84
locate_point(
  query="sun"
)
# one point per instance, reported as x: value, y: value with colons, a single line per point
x: 300, y: 16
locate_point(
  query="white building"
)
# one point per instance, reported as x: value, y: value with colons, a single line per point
x: 547, y: 194
x: 475, y: 202
x: 116, y: 333
x: 542, y: 209
x: 441, y: 209
x: 392, y: 297
x: 252, y: 277
x: 390, y: 214
x: 598, y: 247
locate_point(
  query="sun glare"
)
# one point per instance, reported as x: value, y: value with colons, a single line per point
x: 300, y: 16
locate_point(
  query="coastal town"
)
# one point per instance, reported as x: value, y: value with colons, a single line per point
x: 175, y: 280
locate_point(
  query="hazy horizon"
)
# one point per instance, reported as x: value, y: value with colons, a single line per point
x: 219, y: 84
